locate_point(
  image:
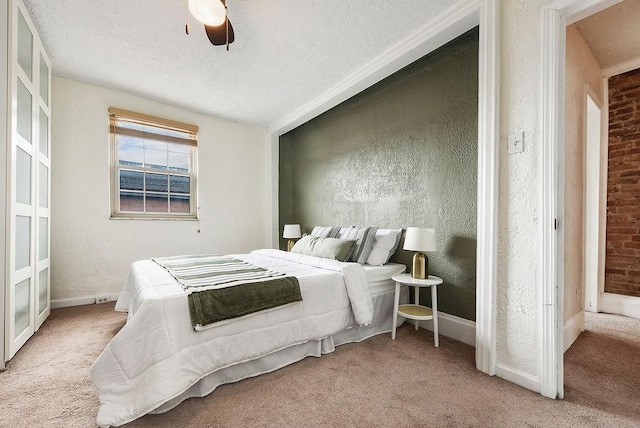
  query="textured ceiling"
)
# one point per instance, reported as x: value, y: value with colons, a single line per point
x: 614, y: 33
x: 286, y: 53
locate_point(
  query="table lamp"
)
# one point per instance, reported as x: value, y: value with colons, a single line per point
x: 291, y: 232
x: 420, y: 239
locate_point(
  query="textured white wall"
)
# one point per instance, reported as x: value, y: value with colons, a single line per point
x: 582, y: 69
x: 519, y: 256
x: 91, y: 254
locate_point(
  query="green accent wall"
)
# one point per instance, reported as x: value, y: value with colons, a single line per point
x: 402, y: 153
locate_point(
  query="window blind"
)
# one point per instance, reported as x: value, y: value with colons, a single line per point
x: 129, y: 123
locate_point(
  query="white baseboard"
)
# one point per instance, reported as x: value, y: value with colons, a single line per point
x: 79, y: 301
x: 572, y: 329
x: 519, y: 377
x: 454, y: 327
x: 619, y: 304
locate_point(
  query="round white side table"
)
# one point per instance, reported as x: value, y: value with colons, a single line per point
x: 416, y: 311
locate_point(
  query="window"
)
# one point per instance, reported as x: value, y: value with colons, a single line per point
x: 153, y: 166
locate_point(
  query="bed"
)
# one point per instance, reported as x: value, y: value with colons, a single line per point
x: 157, y: 360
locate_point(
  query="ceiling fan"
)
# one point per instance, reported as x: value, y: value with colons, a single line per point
x: 215, y: 17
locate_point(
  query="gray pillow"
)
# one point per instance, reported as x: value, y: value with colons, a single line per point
x: 326, y: 248
x: 364, y: 238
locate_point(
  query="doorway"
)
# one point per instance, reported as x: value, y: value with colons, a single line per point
x: 556, y: 17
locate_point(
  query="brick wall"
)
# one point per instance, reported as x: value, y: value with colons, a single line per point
x: 622, y: 265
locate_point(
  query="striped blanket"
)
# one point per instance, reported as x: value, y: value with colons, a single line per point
x: 221, y: 287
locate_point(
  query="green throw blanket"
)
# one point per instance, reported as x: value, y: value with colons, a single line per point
x: 221, y: 287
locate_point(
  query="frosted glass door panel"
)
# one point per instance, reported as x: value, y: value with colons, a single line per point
x: 44, y: 80
x: 24, y: 111
x: 43, y: 241
x: 25, y: 46
x: 42, y: 291
x: 22, y: 299
x: 23, y: 177
x: 23, y: 241
x: 44, y: 186
x: 44, y: 134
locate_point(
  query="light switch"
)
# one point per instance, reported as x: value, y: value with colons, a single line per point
x: 516, y: 143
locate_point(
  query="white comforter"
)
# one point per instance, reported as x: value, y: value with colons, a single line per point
x: 157, y: 355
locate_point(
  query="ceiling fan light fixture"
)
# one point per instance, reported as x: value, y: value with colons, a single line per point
x: 209, y: 12
x: 221, y: 35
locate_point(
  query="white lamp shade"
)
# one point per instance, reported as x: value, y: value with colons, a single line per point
x: 420, y: 239
x: 209, y: 12
x: 291, y: 231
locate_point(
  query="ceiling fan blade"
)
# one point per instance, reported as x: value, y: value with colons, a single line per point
x: 218, y: 35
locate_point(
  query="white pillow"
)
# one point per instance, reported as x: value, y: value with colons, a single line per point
x: 385, y: 244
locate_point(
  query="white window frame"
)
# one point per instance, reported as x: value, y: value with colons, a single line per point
x: 115, y: 167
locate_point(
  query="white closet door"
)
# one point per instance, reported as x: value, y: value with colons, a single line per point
x: 29, y: 176
x: 43, y: 180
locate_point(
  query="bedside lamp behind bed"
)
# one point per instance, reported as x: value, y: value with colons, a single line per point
x: 291, y: 232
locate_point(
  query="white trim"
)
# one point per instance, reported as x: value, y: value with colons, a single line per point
x: 614, y: 70
x: 74, y: 301
x: 619, y: 304
x: 551, y: 209
x: 451, y: 326
x: 572, y: 329
x: 519, y: 377
x: 488, y: 143
x: 4, y: 191
x: 592, y: 207
x: 604, y: 179
x: 555, y: 16
x: 453, y: 22
x: 79, y: 301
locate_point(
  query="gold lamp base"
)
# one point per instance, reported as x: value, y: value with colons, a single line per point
x: 420, y: 266
x: 290, y: 244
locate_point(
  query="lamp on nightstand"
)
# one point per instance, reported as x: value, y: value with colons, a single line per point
x: 420, y: 239
x: 291, y: 232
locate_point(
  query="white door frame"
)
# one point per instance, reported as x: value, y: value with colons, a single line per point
x: 555, y: 18
x: 461, y: 17
x: 594, y: 220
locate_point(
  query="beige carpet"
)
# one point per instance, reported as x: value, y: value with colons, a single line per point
x: 602, y: 367
x: 379, y: 382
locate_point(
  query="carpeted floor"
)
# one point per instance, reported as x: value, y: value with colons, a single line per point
x: 378, y: 382
x: 602, y: 367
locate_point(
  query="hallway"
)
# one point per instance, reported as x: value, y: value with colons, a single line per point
x: 602, y: 367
